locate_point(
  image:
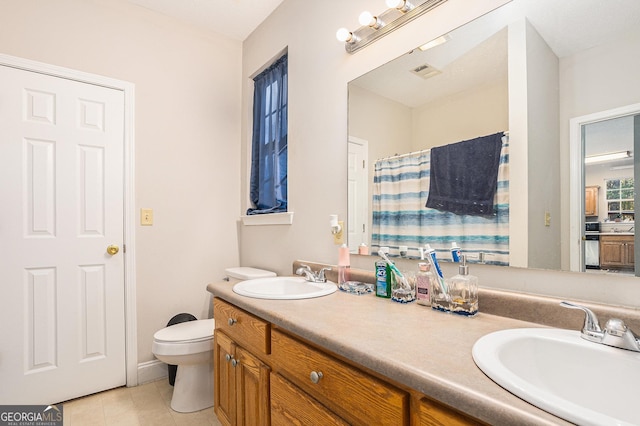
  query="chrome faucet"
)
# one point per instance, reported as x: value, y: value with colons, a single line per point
x: 615, y: 332
x: 310, y: 275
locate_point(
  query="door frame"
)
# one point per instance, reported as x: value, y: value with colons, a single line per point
x: 131, y: 336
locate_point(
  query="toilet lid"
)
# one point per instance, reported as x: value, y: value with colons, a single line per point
x: 186, y: 331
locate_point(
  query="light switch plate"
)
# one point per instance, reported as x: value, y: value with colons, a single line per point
x: 146, y: 217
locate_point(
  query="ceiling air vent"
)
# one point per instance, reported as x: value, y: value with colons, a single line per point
x: 425, y: 71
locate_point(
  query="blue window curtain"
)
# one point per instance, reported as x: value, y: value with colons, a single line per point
x: 268, y: 189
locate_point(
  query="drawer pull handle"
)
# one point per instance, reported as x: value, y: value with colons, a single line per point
x: 315, y: 376
x: 234, y: 362
x: 228, y: 357
x: 232, y: 321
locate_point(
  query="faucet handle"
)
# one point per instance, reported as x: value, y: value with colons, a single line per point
x: 616, y: 333
x: 615, y: 327
x: 320, y: 275
x: 302, y: 268
x: 591, y: 324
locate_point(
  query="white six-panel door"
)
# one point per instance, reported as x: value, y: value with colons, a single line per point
x: 358, y: 194
x: 61, y: 205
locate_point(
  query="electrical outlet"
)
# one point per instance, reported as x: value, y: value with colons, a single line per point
x: 338, y: 239
x: 146, y: 217
x: 547, y: 219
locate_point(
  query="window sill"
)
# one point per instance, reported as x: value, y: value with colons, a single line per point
x: 285, y: 218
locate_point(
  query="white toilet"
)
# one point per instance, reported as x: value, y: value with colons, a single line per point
x: 189, y: 345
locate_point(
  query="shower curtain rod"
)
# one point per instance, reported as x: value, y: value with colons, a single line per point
x: 506, y: 133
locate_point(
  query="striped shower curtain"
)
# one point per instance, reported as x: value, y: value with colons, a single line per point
x: 400, y: 218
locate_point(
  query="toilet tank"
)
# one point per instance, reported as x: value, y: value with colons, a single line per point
x: 248, y: 273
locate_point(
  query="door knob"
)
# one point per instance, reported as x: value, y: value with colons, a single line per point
x: 113, y: 249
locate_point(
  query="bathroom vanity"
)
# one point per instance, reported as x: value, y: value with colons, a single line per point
x: 348, y: 359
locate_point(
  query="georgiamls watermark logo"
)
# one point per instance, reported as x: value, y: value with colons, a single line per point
x: 31, y: 415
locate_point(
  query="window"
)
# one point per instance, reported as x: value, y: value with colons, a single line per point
x: 268, y: 187
x: 620, y: 198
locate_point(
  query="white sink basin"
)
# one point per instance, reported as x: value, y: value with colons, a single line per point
x: 283, y: 288
x: 556, y: 370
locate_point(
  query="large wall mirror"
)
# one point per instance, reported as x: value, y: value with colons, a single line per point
x: 560, y: 79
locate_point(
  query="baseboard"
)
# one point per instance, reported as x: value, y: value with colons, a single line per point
x: 151, y: 371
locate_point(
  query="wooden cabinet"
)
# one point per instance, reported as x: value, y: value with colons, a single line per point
x: 352, y: 394
x: 241, y: 379
x: 617, y: 252
x: 271, y: 377
x: 591, y: 201
x: 432, y: 413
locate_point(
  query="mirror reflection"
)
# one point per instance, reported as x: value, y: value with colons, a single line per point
x: 525, y: 69
x: 609, y: 203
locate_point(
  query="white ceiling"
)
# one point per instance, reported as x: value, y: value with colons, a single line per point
x: 233, y: 18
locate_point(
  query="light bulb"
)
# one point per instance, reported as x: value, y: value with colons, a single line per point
x: 366, y: 18
x: 401, y: 5
x: 344, y: 35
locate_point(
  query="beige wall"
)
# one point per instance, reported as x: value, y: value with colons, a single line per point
x: 481, y: 111
x: 590, y: 69
x: 543, y: 166
x: 187, y: 126
x: 319, y: 70
x: 384, y: 123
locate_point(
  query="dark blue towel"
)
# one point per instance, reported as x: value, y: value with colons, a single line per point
x: 464, y: 176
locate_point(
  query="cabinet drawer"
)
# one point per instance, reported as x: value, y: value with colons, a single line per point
x: 246, y: 329
x: 354, y: 395
x: 291, y: 405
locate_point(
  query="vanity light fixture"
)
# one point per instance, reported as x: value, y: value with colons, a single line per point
x: 619, y: 155
x: 373, y: 27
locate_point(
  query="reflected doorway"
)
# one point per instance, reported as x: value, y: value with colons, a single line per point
x: 608, y: 142
x: 358, y: 194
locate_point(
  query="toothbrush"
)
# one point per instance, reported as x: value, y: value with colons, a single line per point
x: 431, y: 257
x: 395, y: 270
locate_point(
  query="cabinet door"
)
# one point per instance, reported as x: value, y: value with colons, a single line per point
x: 434, y: 414
x: 224, y: 389
x: 252, y: 385
x: 290, y: 405
x: 591, y: 201
x: 617, y: 251
x: 611, y: 253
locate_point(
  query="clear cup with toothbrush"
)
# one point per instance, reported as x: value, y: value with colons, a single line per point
x: 402, y: 290
x: 403, y: 287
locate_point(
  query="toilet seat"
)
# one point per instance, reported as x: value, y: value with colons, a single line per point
x: 186, y: 332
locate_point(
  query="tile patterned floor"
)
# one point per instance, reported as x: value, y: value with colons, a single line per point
x: 143, y: 405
